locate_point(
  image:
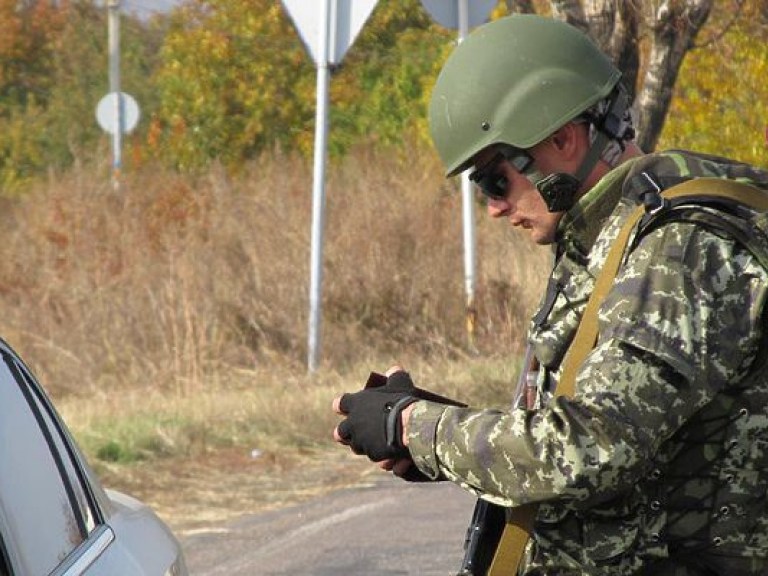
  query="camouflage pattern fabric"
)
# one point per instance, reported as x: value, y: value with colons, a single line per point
x: 659, y: 464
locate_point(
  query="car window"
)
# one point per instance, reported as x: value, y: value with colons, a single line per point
x: 45, y: 510
x: 63, y: 446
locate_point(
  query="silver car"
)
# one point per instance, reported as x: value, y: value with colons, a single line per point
x: 55, y: 517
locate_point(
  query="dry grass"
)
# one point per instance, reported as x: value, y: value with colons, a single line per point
x: 169, y: 317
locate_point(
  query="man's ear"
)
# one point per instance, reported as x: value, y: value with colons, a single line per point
x: 563, y: 137
x: 566, y: 139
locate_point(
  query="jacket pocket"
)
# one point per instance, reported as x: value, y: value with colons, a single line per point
x: 609, y: 533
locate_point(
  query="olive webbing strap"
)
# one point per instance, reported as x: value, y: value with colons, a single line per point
x: 514, y: 538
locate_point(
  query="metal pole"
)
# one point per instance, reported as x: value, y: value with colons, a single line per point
x: 318, y: 186
x: 468, y: 211
x: 114, y: 87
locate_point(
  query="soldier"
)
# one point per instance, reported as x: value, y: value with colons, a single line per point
x: 658, y: 462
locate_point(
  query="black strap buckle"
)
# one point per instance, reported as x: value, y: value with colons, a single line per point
x: 649, y: 194
x: 559, y: 191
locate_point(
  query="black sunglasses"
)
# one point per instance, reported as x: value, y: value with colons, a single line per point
x: 494, y: 184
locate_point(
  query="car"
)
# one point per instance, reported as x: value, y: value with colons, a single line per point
x: 56, y: 518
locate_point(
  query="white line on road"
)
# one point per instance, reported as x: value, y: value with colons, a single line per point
x: 292, y: 537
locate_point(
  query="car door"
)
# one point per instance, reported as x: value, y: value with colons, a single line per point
x: 50, y: 523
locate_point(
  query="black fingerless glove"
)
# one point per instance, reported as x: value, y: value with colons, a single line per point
x: 373, y: 425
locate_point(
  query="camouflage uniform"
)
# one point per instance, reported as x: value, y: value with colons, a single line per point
x: 659, y: 464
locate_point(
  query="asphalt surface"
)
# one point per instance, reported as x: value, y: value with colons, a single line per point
x: 386, y: 528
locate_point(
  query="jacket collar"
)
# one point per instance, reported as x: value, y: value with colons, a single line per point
x: 581, y: 225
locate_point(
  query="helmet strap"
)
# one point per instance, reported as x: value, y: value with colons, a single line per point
x: 559, y: 189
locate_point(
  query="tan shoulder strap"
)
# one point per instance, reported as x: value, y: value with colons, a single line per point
x: 586, y: 335
x: 519, y: 525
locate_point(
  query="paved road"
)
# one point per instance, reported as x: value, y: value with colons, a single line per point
x: 387, y: 528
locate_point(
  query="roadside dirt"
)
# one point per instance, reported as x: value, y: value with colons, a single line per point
x: 199, y: 494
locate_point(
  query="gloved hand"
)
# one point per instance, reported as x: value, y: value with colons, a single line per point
x: 373, y: 425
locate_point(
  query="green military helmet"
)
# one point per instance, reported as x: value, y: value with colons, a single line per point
x: 514, y: 81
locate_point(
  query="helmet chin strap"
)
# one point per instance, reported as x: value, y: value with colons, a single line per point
x: 559, y: 189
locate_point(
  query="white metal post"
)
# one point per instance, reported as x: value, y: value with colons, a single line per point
x: 113, y: 27
x: 318, y: 186
x: 468, y: 211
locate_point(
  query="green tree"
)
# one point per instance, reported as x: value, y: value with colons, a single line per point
x: 234, y: 80
x: 53, y: 71
x: 27, y: 43
x: 382, y: 90
x: 81, y: 79
x: 26, y: 63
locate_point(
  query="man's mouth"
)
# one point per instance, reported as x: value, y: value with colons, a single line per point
x: 525, y: 224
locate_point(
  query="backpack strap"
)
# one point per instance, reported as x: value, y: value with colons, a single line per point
x: 747, y: 227
x: 586, y: 335
x: 521, y: 519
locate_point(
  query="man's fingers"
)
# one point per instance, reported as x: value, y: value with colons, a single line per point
x: 342, y: 404
x: 394, y: 369
x: 400, y: 381
x: 387, y: 464
x: 337, y: 436
x: 342, y: 432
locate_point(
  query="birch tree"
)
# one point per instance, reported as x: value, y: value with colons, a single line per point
x: 647, y: 39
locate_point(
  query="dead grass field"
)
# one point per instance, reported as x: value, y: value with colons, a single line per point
x: 168, y: 318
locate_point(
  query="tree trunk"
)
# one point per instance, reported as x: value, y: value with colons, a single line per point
x: 614, y: 26
x: 521, y: 7
x: 675, y: 26
x: 617, y: 28
x: 572, y: 12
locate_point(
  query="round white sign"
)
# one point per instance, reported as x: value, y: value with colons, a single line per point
x: 107, y: 112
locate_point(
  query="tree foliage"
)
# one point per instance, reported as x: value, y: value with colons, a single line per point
x: 383, y: 88
x: 721, y: 99
x: 53, y: 71
x: 27, y: 46
x: 81, y: 78
x: 233, y: 80
x: 229, y: 79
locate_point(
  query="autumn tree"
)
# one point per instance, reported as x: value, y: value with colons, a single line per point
x: 53, y: 71
x: 646, y: 39
x: 230, y: 79
x: 234, y: 80
x: 26, y: 63
x: 720, y: 104
x: 80, y: 73
x: 29, y: 31
x: 382, y: 90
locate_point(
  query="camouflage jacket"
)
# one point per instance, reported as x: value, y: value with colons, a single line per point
x: 659, y: 463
